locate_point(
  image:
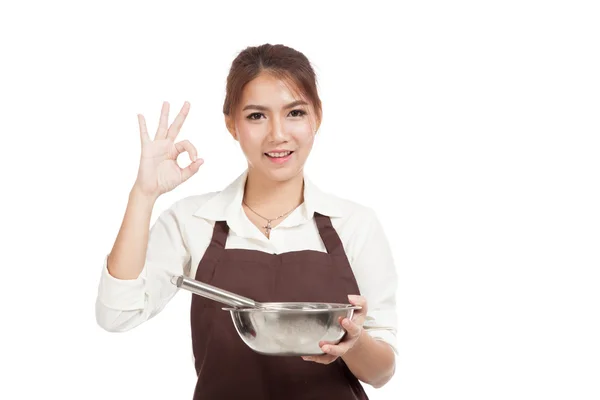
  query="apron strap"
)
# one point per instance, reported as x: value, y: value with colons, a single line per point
x: 219, y: 237
x: 330, y: 238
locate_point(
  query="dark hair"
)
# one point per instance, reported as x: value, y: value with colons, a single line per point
x: 280, y: 61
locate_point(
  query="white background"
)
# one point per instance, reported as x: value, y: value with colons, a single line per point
x: 471, y: 127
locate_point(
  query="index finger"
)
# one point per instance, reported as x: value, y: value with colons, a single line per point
x: 179, y: 120
x: 357, y: 300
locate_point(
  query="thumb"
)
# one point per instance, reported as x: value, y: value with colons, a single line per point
x: 191, y: 169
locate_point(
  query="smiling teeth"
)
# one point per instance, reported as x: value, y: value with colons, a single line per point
x: 279, y: 155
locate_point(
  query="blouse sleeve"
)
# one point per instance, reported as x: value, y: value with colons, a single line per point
x: 124, y: 304
x: 375, y: 272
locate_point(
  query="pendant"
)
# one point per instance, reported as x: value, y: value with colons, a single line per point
x: 268, y: 228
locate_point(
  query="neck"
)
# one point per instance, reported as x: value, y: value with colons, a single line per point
x: 273, y: 198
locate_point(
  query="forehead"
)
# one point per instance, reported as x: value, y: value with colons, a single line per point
x: 269, y: 90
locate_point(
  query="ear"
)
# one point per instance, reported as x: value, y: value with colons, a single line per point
x: 230, y: 124
x: 317, y: 127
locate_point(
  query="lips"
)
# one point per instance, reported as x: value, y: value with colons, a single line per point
x: 279, y: 157
x: 279, y: 154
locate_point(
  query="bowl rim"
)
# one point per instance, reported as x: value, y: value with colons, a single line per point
x: 334, y: 307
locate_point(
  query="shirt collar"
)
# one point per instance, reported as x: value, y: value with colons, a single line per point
x: 226, y: 205
x: 317, y: 201
x: 223, y: 204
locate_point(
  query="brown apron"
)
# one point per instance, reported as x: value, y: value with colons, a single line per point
x: 226, y: 367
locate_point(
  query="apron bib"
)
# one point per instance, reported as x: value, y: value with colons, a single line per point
x: 225, y: 366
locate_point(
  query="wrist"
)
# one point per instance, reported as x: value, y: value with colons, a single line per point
x: 137, y: 196
x: 360, y: 343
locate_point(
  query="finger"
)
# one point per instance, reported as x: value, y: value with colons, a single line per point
x: 360, y: 314
x: 143, y: 129
x: 161, y: 132
x: 351, y: 327
x: 179, y: 120
x: 357, y: 300
x: 186, y: 145
x: 191, y: 169
x: 325, y: 342
x: 324, y: 359
x: 335, y: 350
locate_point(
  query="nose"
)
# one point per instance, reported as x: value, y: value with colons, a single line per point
x: 277, y: 131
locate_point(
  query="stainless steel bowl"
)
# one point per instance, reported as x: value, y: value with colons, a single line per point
x: 290, y: 328
x: 281, y: 329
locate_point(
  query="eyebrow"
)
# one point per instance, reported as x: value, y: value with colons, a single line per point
x: 263, y: 108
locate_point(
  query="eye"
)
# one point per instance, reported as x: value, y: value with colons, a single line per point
x: 299, y: 113
x: 255, y: 116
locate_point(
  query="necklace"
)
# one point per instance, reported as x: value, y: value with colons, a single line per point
x: 269, y: 220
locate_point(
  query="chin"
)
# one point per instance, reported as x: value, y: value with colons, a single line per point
x: 280, y: 173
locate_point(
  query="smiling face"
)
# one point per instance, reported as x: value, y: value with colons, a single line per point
x: 275, y: 127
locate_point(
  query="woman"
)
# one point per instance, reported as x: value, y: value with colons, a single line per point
x: 270, y: 235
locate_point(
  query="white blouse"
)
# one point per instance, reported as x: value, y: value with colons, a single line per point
x: 181, y: 234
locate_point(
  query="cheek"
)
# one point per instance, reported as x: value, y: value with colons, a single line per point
x: 305, y: 138
x: 251, y: 146
x: 302, y: 133
x: 244, y: 131
x: 250, y: 137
